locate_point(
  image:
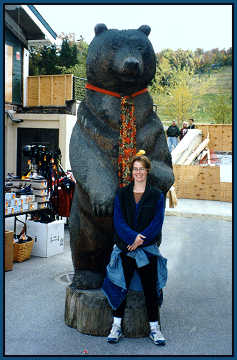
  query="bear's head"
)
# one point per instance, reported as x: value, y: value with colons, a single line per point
x: 121, y: 60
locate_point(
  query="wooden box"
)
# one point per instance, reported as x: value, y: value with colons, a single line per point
x: 9, y: 250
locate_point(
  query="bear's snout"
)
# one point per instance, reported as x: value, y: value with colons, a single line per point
x: 131, y: 66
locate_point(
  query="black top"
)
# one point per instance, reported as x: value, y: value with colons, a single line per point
x: 173, y: 131
x: 146, y: 212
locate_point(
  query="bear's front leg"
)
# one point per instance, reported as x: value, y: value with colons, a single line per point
x: 91, y: 242
x: 91, y: 234
x: 93, y: 170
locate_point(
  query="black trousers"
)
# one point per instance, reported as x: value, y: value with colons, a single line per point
x: 148, y: 276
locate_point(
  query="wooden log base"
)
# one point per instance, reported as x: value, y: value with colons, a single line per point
x: 89, y: 312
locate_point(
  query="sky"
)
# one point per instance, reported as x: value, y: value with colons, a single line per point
x: 186, y: 27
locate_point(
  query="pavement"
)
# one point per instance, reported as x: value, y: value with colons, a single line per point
x: 204, y: 208
x: 196, y: 315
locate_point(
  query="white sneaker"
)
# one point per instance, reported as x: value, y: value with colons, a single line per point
x: 115, y: 334
x: 156, y: 336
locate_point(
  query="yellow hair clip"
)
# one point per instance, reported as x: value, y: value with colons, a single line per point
x: 140, y: 152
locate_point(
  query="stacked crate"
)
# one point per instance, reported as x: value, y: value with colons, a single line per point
x: 205, y: 182
x: 201, y: 182
x: 220, y: 136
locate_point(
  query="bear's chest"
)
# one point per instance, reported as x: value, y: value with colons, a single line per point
x: 107, y: 109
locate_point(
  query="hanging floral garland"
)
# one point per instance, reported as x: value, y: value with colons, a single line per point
x: 127, y: 140
x: 127, y: 134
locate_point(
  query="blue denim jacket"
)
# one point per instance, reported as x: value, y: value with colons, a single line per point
x: 114, y: 285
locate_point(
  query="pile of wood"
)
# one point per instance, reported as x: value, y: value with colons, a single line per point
x: 189, y: 151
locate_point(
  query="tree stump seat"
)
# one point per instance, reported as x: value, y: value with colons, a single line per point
x: 89, y: 312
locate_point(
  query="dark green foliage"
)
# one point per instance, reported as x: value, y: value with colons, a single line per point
x: 43, y: 61
x: 50, y: 60
x: 68, y: 54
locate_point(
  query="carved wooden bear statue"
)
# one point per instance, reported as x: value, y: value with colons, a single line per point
x: 121, y: 61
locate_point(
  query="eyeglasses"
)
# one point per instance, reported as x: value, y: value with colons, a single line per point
x: 139, y: 169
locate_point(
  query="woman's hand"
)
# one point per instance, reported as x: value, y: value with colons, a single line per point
x: 137, y: 242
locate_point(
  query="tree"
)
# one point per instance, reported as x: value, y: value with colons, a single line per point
x: 49, y: 60
x: 198, y: 52
x: 43, y: 60
x: 169, y: 64
x: 221, y: 109
x: 68, y: 54
x: 79, y: 68
x: 164, y: 77
x: 70, y: 58
x: 182, y: 99
x: 34, y: 63
x: 82, y: 50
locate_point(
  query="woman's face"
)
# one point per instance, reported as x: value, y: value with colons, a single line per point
x: 139, y: 172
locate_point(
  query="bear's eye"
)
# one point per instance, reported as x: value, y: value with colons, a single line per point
x: 115, y: 46
x: 139, y: 48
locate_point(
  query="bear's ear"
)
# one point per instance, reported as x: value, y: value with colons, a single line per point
x: 99, y: 28
x: 145, y: 28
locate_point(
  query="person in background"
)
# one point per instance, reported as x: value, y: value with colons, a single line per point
x: 139, y: 210
x: 191, y: 124
x: 172, y: 135
x: 184, y: 130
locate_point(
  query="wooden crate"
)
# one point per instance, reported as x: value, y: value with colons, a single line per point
x: 49, y: 90
x: 201, y: 182
x: 220, y: 136
x: 9, y: 251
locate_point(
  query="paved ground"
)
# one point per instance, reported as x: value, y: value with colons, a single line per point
x: 203, y: 208
x: 196, y: 314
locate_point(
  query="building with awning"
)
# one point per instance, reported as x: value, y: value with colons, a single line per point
x: 24, y: 26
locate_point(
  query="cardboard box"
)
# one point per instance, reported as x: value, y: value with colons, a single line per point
x: 10, y: 210
x: 25, y: 207
x: 16, y: 202
x: 41, y: 192
x: 39, y: 184
x: 27, y: 198
x: 33, y: 206
x: 48, y: 238
x: 9, y: 250
x: 41, y: 198
x: 9, y: 196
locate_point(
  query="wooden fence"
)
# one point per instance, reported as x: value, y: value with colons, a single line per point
x: 49, y: 90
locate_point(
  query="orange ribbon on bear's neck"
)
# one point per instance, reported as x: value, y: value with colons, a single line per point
x: 127, y: 135
x: 112, y: 93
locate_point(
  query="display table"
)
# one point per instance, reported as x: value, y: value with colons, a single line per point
x: 35, y: 211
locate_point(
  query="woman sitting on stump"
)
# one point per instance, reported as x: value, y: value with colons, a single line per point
x: 136, y: 262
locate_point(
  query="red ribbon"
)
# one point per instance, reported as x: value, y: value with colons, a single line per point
x: 127, y: 138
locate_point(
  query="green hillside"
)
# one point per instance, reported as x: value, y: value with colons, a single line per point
x: 220, y: 82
